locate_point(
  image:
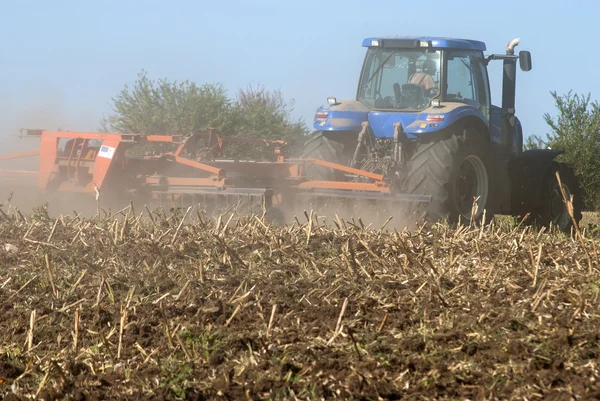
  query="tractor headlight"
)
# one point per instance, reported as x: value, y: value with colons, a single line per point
x: 331, y: 100
x: 374, y: 43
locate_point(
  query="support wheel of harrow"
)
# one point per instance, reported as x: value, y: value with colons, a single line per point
x: 455, y: 171
x: 320, y: 147
x: 552, y: 209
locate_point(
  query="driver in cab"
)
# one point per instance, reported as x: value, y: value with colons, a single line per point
x: 425, y: 77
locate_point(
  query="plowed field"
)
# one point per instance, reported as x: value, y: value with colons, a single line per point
x: 131, y: 307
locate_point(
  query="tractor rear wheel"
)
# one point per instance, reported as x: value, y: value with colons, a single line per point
x: 456, y: 172
x: 552, y: 209
x: 320, y: 147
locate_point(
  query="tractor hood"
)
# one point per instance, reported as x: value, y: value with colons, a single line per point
x: 349, y: 114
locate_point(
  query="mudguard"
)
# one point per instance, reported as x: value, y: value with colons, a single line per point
x: 527, y: 173
x: 347, y: 115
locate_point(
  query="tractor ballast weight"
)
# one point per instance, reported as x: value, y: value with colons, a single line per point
x: 427, y: 106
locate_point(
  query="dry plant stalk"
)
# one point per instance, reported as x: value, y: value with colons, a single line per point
x: 116, y: 232
x: 22, y: 288
x: 201, y: 271
x: 99, y: 295
x: 166, y: 323
x: 536, y: 266
x: 273, y: 309
x: 235, y: 311
x: 31, y: 329
x: 44, y: 380
x: 188, y: 357
x: 52, y: 231
x: 382, y: 323
x: 351, y: 334
x: 124, y: 228
x: 569, y: 204
x: 97, y: 191
x: 121, y: 326
x: 182, y: 289
x: 49, y: 270
x: 339, y: 326
x: 180, y: 224
x: 309, y: 228
x: 76, y: 330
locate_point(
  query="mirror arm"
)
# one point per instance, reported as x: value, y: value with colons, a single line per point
x: 500, y: 57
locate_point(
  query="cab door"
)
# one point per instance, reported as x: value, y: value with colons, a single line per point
x: 467, y: 81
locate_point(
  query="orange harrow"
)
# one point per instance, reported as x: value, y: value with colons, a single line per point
x: 98, y: 164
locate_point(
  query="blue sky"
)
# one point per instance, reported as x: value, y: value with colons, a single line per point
x: 62, y: 61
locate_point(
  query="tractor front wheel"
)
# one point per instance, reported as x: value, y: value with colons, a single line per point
x: 455, y: 171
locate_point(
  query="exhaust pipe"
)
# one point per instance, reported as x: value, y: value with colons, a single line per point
x: 510, y: 48
x: 508, y: 96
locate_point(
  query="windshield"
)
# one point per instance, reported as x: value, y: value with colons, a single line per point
x: 400, y: 79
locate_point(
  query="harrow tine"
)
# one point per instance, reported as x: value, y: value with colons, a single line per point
x: 386, y: 223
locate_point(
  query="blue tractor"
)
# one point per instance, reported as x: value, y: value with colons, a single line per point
x: 423, y: 117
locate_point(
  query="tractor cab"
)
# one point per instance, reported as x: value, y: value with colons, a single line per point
x: 427, y: 85
x: 423, y: 83
x: 413, y: 75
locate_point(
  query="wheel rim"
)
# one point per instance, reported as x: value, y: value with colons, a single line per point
x: 559, y: 213
x: 472, y: 187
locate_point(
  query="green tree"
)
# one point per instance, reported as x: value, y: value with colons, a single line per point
x: 259, y: 113
x: 576, y: 130
x: 265, y: 114
x: 165, y: 107
x: 534, y: 142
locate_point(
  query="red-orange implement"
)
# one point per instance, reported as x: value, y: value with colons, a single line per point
x: 94, y: 163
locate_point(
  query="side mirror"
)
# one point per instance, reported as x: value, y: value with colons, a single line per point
x: 525, y: 60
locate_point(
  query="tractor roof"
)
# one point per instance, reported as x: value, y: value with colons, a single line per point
x: 444, y: 43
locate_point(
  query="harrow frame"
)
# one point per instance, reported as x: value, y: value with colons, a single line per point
x: 96, y: 163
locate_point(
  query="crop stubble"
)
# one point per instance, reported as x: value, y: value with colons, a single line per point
x: 139, y: 307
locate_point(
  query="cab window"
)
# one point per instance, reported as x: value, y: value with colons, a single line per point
x: 467, y: 80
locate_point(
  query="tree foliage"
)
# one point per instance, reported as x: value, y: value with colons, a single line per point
x: 164, y: 107
x: 259, y: 113
x: 576, y: 129
x: 534, y: 142
x: 264, y: 114
x: 171, y: 107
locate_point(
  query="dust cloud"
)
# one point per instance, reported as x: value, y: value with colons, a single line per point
x: 46, y: 111
x: 368, y: 214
